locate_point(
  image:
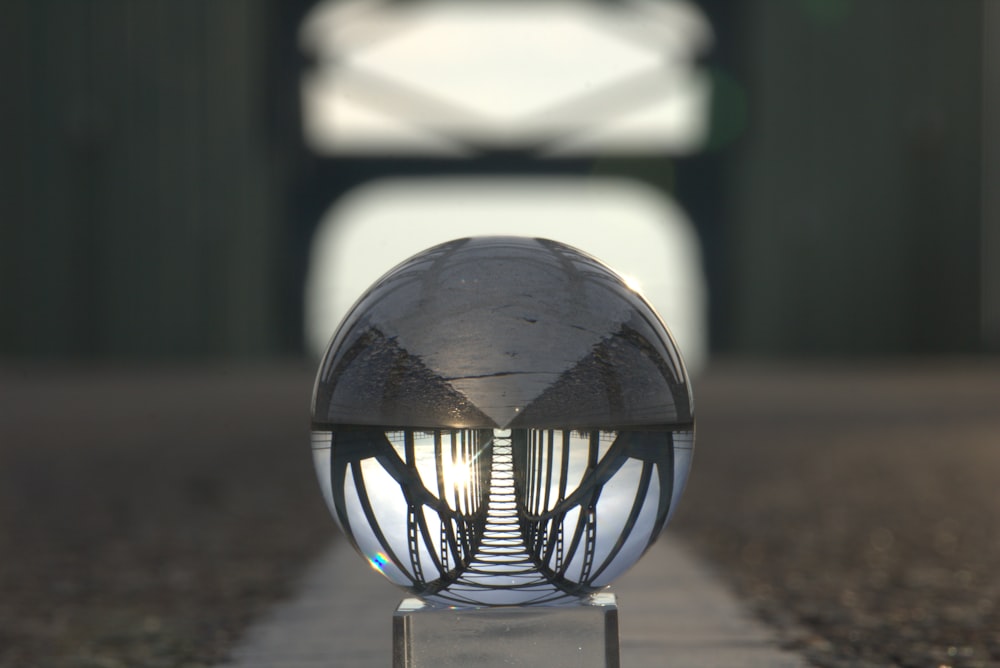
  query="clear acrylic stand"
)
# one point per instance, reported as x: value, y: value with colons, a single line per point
x: 583, y: 635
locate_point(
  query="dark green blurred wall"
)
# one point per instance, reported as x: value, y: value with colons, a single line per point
x: 855, y: 200
x: 140, y: 202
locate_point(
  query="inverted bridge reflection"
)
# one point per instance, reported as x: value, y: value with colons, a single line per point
x: 509, y: 517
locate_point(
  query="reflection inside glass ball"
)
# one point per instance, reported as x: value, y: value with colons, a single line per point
x: 502, y: 421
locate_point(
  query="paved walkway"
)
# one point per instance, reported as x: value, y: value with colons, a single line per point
x: 673, y: 613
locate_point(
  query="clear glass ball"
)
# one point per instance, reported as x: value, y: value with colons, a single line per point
x: 502, y: 421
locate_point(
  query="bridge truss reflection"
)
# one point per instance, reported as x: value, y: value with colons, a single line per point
x: 507, y: 517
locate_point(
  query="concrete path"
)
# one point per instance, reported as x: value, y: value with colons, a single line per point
x: 672, y: 613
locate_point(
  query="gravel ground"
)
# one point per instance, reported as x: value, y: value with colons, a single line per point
x: 857, y: 509
x: 147, y: 516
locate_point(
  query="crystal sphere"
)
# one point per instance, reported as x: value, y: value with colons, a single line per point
x: 502, y: 421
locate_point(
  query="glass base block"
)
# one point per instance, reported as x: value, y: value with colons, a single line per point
x: 583, y: 635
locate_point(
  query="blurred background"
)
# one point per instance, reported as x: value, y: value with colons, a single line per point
x: 159, y: 195
x: 178, y: 177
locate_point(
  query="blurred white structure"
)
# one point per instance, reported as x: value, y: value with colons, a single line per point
x: 453, y: 77
x: 458, y: 80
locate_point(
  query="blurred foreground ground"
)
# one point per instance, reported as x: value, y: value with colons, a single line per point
x: 857, y: 507
x: 147, y: 516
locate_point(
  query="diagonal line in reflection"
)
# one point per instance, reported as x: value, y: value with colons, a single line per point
x: 423, y: 109
x: 622, y: 97
x: 341, y: 26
